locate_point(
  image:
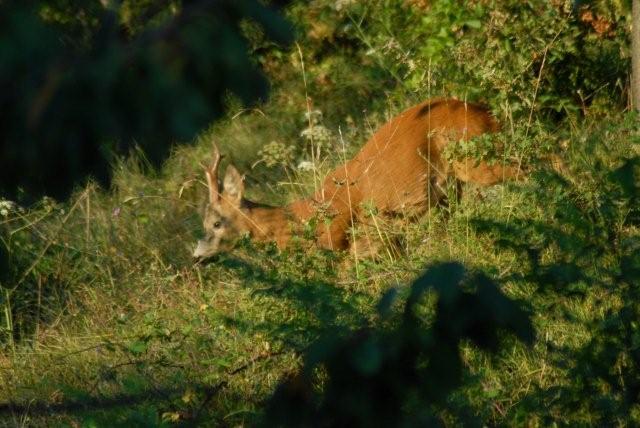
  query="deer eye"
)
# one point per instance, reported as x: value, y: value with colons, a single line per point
x: 217, y: 225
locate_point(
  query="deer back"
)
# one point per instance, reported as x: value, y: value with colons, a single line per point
x: 401, y: 168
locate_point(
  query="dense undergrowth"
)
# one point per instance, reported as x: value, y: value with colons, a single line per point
x: 106, y: 321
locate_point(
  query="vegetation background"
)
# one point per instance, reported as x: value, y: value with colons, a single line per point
x: 527, y: 313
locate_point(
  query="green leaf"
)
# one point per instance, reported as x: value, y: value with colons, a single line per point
x: 138, y: 347
x: 474, y: 23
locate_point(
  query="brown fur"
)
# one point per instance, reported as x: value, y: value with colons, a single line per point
x: 400, y: 170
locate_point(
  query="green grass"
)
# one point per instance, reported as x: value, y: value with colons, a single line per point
x: 112, y: 325
x: 127, y: 328
x: 115, y: 325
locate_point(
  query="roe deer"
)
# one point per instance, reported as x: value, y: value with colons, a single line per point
x: 401, y: 169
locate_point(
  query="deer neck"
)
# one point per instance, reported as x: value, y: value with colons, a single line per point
x: 268, y: 223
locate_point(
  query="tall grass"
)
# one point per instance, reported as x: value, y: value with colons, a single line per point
x: 105, y: 320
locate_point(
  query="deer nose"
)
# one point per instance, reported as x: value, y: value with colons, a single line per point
x: 200, y: 251
x: 203, y: 260
x: 204, y: 252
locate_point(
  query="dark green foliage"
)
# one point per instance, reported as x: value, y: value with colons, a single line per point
x: 400, y: 372
x: 517, y: 55
x: 80, y: 81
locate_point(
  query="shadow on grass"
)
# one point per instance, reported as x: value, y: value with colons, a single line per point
x: 310, y: 291
x: 401, y: 370
x: 123, y: 409
x: 587, y: 247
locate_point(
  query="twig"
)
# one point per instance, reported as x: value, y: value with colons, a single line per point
x: 539, y: 78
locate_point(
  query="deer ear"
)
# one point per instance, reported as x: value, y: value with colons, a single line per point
x: 233, y: 185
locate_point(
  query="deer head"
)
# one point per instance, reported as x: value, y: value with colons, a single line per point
x: 223, y: 218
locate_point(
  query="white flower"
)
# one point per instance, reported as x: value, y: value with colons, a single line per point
x: 306, y: 166
x: 6, y: 207
x: 313, y: 116
x: 343, y: 4
x: 321, y: 134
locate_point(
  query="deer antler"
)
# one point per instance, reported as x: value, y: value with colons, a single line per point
x: 212, y: 175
